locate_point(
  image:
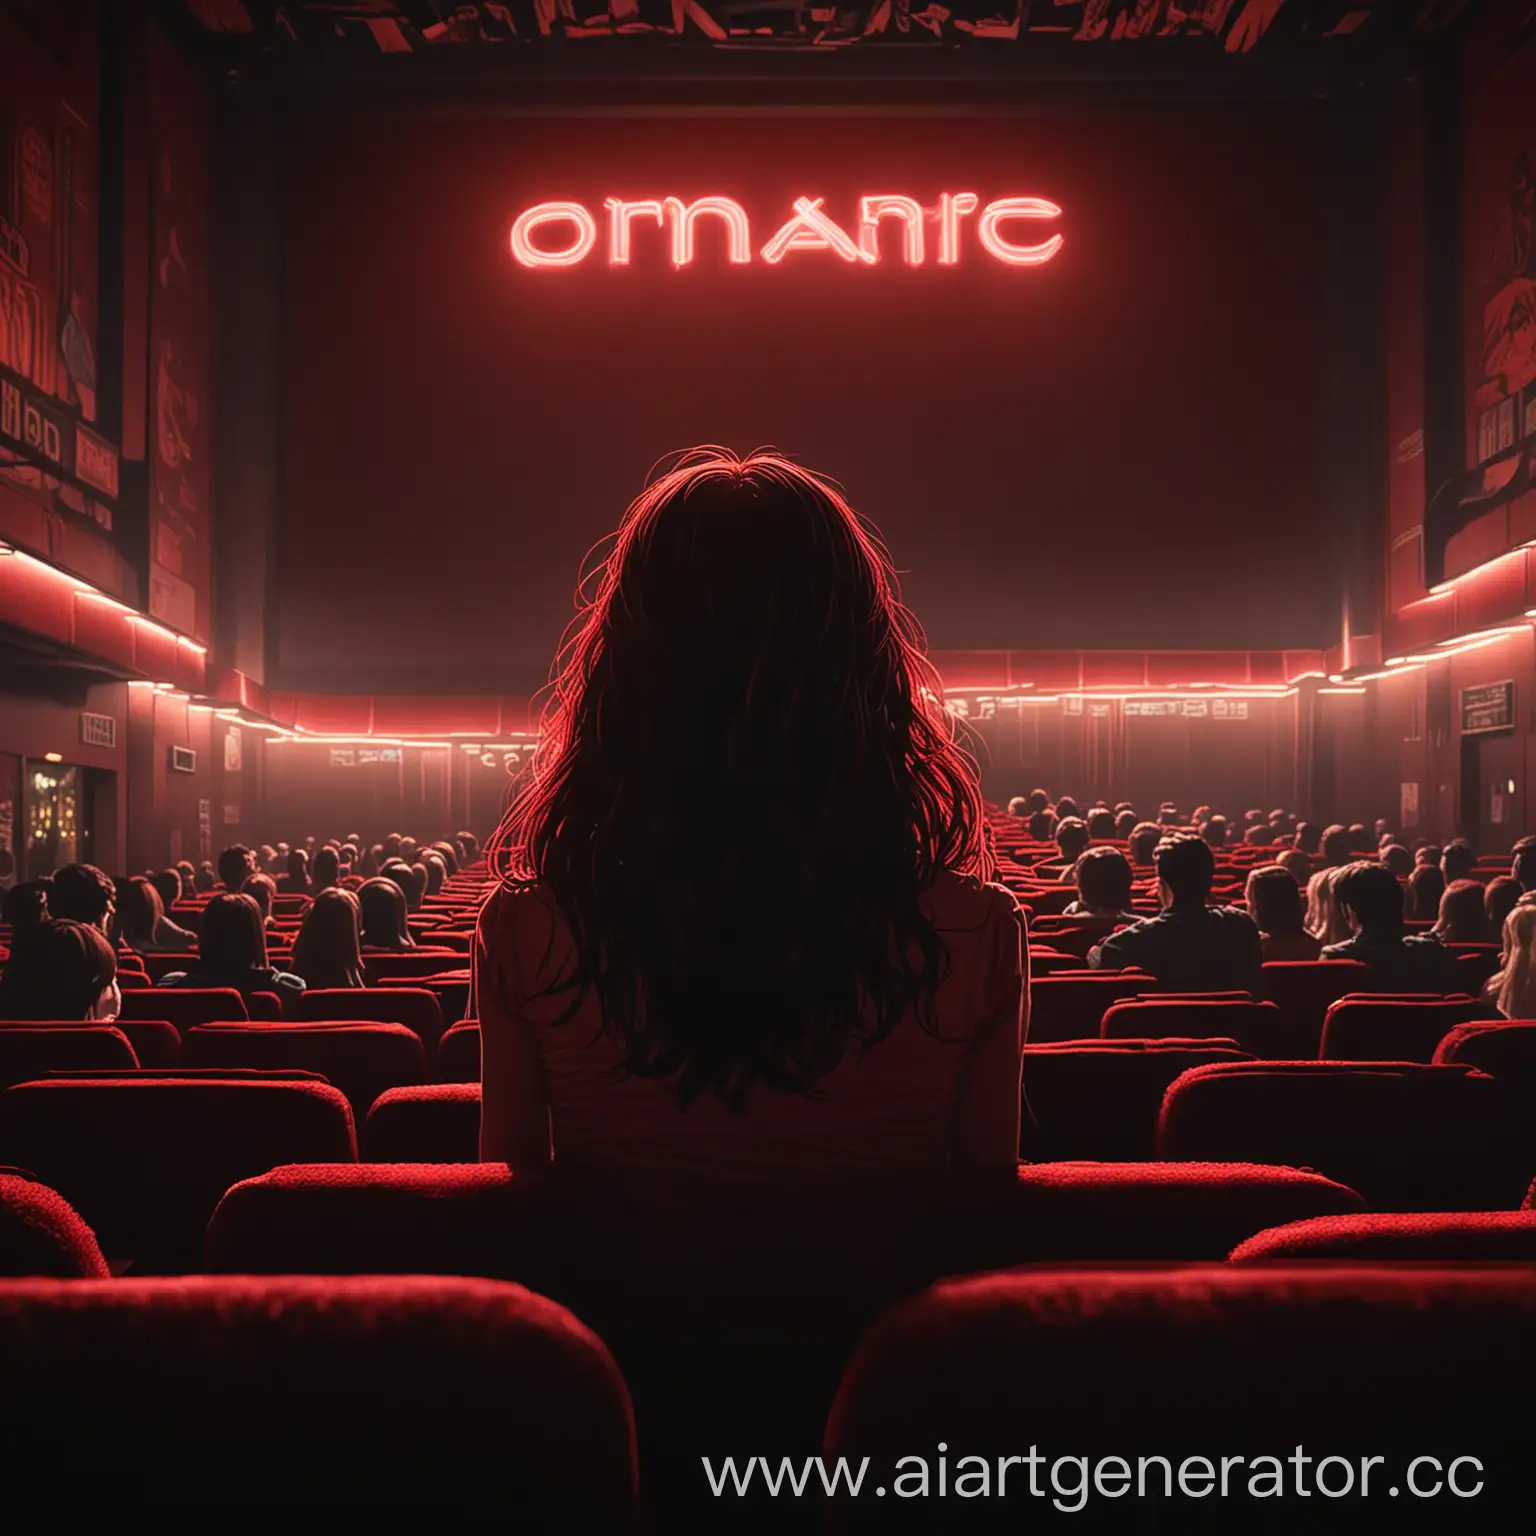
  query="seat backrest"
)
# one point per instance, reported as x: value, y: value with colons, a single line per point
x: 434, y: 1123
x: 458, y: 1053
x: 300, y: 1393
x: 1387, y: 1029
x: 1303, y: 990
x: 33, y: 1050
x: 267, y: 1006
x: 1457, y: 1237
x: 396, y: 967
x: 1255, y: 1026
x: 1092, y: 1366
x: 156, y: 1042
x: 1072, y: 1006
x: 185, y: 1007
x: 145, y: 1158
x: 414, y: 1007
x: 363, y: 1059
x: 1099, y: 1099
x: 1409, y: 1137
x: 42, y: 1234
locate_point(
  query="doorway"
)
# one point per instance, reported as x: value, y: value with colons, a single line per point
x: 61, y: 820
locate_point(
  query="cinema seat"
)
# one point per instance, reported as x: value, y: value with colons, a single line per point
x: 1347, y: 1361
x: 458, y: 1053
x: 362, y: 1059
x: 435, y: 1123
x: 1457, y: 1237
x: 1304, y: 990
x: 1393, y: 1029
x: 156, y: 1042
x: 1505, y: 1049
x: 185, y: 1007
x: 414, y: 1007
x: 34, y: 1050
x: 313, y: 1400
x: 1099, y: 1099
x: 1409, y: 1137
x: 145, y: 1158
x: 403, y: 967
x: 1072, y: 1006
x: 42, y: 1234
x: 1255, y: 1026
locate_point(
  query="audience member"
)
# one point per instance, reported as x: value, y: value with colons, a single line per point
x: 142, y: 924
x: 81, y: 893
x: 1214, y: 830
x: 1336, y: 847
x: 1458, y: 861
x: 1103, y: 878
x: 382, y: 914
x: 26, y: 905
x: 1038, y: 800
x: 1499, y: 899
x: 168, y: 883
x: 1144, y: 840
x: 296, y: 881
x: 327, y: 952
x: 1464, y: 915
x: 1042, y: 826
x: 411, y: 882
x: 188, y: 874
x: 326, y: 870
x: 1259, y: 836
x: 1071, y: 840
x: 1125, y: 824
x: 1360, y: 839
x: 1523, y: 865
x: 236, y: 865
x: 1019, y: 806
x: 1326, y: 920
x: 232, y: 951
x: 864, y: 1040
x: 1274, y: 903
x: 262, y: 889
x: 437, y: 872
x: 1309, y: 838
x: 1426, y: 853
x: 1189, y: 946
x: 1398, y: 859
x: 1372, y: 899
x: 1426, y: 887
x: 1512, y: 989
x: 60, y: 969
x: 204, y: 881
x: 1297, y: 865
x: 1101, y: 825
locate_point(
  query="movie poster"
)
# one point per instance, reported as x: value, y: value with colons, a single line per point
x: 180, y: 426
x: 50, y: 451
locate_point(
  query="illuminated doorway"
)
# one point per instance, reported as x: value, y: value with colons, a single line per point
x: 60, y: 820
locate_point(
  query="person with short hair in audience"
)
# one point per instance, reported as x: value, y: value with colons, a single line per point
x: 81, y: 893
x: 1426, y: 887
x: 142, y: 925
x: 382, y: 913
x: 1071, y: 839
x: 1066, y: 807
x: 1125, y: 824
x: 1038, y: 800
x: 1512, y: 989
x: 1042, y: 826
x: 1297, y: 865
x: 1523, y: 863
x: 328, y: 951
x: 658, y: 999
x: 1254, y: 818
x: 1145, y: 837
x: 1168, y: 815
x: 1458, y: 861
x: 1309, y: 838
x: 1189, y: 946
x: 1372, y: 900
x: 1019, y: 806
x: 1103, y: 878
x: 262, y: 889
x: 411, y: 880
x: 1463, y: 915
x: 232, y: 952
x: 205, y: 881
x: 236, y: 866
x: 1398, y: 859
x: 1326, y: 919
x: 1500, y: 898
x: 1336, y: 848
x: 469, y: 844
x: 25, y: 905
x: 60, y: 969
x: 1360, y: 840
x: 1214, y: 831
x: 437, y: 872
x: 1426, y: 853
x: 188, y: 873
x: 1259, y: 836
x: 326, y: 870
x: 1274, y: 903
x: 1101, y: 825
x: 296, y: 881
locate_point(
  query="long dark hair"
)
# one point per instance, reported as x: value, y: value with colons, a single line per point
x: 745, y: 782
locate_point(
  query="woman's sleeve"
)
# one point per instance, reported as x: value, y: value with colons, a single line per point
x: 986, y: 1126
x: 514, y: 1113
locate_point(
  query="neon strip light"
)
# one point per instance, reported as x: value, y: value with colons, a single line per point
x: 1451, y: 583
x: 564, y: 234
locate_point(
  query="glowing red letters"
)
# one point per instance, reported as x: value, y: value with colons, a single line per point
x: 564, y: 234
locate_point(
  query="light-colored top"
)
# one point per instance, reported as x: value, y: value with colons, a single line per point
x: 915, y: 1100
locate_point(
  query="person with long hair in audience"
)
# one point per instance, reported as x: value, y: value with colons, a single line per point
x: 412, y: 880
x: 1274, y: 902
x: 188, y: 873
x: 1326, y: 921
x: 262, y: 889
x: 382, y: 912
x: 60, y: 969
x: 1499, y: 900
x: 1426, y: 888
x: 328, y: 950
x: 437, y: 872
x: 1103, y: 877
x: 669, y: 988
x: 1372, y: 900
x: 325, y: 869
x: 142, y: 925
x: 1297, y: 865
x: 1512, y: 990
x: 1463, y: 917
x: 232, y: 952
x: 168, y: 883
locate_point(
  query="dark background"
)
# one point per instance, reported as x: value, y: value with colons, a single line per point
x: 1104, y: 452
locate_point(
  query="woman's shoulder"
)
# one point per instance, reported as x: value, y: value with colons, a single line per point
x: 517, y: 905
x: 966, y: 901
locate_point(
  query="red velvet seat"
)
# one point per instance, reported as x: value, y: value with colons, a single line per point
x: 156, y: 1042
x: 307, y: 1398
x: 1072, y: 1006
x: 1407, y: 1136
x: 1304, y: 990
x: 1349, y: 1361
x: 362, y: 1059
x: 1254, y: 1026
x: 414, y: 1007
x: 1100, y: 1099
x: 266, y: 1006
x: 29, y: 1050
x: 458, y: 1053
x: 185, y: 1007
x: 1390, y: 1029
x: 145, y: 1158
x: 435, y: 1123
x: 42, y: 1234
x: 1456, y: 1237
x: 393, y: 968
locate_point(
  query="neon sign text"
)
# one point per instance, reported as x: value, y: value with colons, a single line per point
x: 564, y: 234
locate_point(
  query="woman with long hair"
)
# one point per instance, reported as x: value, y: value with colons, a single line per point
x: 381, y: 908
x: 141, y: 921
x: 327, y: 869
x: 670, y: 984
x: 1464, y: 915
x: 1426, y: 887
x: 60, y: 970
x: 232, y: 951
x: 1327, y: 921
x: 1274, y: 903
x: 328, y: 952
x: 1513, y: 989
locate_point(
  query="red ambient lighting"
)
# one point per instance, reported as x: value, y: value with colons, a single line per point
x: 563, y: 234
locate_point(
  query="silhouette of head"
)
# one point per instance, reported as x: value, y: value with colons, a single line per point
x: 1103, y: 877
x: 1185, y: 869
